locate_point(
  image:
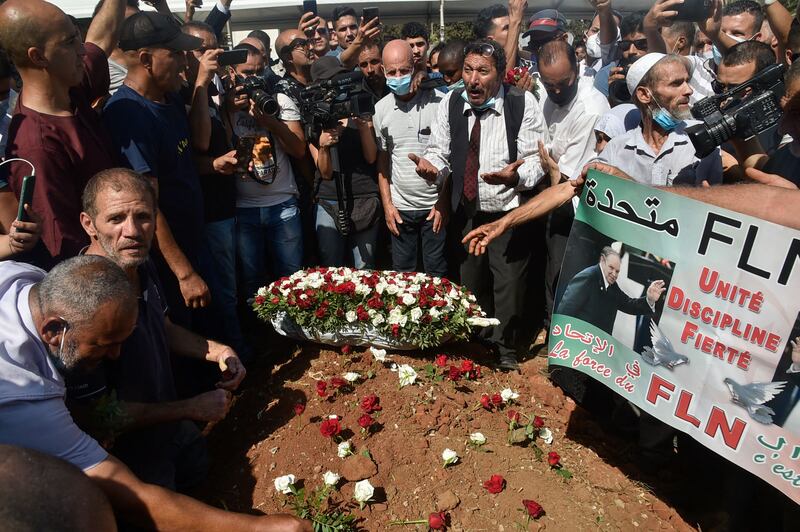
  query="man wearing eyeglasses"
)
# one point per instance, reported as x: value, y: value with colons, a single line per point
x: 483, y: 152
x: 629, y: 48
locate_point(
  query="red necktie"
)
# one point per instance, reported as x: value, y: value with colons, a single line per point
x: 473, y: 160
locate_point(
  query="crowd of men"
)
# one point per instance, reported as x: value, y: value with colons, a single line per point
x: 169, y: 187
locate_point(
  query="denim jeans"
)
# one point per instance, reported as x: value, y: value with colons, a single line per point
x: 414, y: 228
x: 356, y: 249
x: 276, y: 230
x: 217, y: 265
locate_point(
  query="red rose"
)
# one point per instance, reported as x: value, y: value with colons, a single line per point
x: 466, y: 366
x: 454, y: 374
x: 370, y: 404
x: 395, y: 330
x: 330, y: 428
x: 375, y: 302
x: 475, y: 373
x: 321, y: 388
x: 441, y: 361
x: 497, y: 399
x: 533, y: 508
x: 320, y: 313
x: 365, y: 421
x: 338, y: 382
x: 299, y: 408
x: 437, y: 520
x: 339, y: 313
x: 538, y: 422
x: 554, y: 459
x: 495, y: 484
x: 513, y: 415
x: 275, y: 300
x: 486, y: 402
x: 259, y: 300
x: 346, y: 349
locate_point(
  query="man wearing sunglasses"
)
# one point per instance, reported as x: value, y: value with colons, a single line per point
x: 483, y: 152
x: 631, y: 47
x: 315, y: 28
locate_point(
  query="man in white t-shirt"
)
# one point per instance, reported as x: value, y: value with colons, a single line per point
x: 411, y: 205
x: 267, y: 214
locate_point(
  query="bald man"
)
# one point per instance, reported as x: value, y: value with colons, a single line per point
x: 402, y: 125
x: 295, y: 52
x: 268, y: 74
x: 54, y: 126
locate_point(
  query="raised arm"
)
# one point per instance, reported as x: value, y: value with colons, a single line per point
x: 105, y: 27
x: 516, y: 14
x: 366, y: 32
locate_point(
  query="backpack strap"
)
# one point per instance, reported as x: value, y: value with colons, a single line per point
x: 513, y: 111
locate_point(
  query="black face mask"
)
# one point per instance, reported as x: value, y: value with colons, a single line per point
x: 565, y: 96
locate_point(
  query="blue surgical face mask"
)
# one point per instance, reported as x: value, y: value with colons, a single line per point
x: 455, y: 86
x: 484, y: 106
x: 400, y: 86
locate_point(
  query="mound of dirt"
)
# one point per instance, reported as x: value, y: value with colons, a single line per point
x: 401, y: 456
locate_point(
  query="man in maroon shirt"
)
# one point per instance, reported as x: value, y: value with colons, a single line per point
x: 54, y: 126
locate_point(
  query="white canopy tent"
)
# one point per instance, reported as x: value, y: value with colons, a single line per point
x: 250, y: 14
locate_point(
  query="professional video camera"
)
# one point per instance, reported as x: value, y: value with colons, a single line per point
x: 324, y: 103
x: 735, y: 114
x: 256, y: 89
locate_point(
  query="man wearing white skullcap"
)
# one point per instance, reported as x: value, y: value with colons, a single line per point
x: 659, y: 151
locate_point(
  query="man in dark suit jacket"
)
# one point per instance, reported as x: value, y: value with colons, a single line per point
x: 594, y: 296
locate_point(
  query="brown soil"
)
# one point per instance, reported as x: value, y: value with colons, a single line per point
x: 262, y: 439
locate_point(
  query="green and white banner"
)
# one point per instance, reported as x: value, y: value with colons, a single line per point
x: 690, y: 312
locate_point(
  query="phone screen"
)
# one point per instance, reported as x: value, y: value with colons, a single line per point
x: 232, y: 57
x: 369, y: 13
x: 310, y: 6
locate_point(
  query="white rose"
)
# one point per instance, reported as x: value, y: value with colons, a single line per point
x: 483, y: 322
x: 546, y: 435
x: 395, y: 316
x: 477, y: 438
x: 416, y: 314
x: 434, y: 312
x: 453, y: 293
x: 406, y: 374
x: 262, y: 291
x: 449, y: 456
x: 465, y: 303
x: 363, y: 491
x: 509, y: 395
x: 351, y: 376
x: 351, y: 316
x: 303, y: 296
x: 344, y: 450
x: 380, y: 287
x: 377, y: 320
x: 392, y: 289
x: 437, y: 281
x: 284, y: 484
x: 333, y: 416
x: 330, y: 478
x: 378, y: 354
x: 409, y: 300
x: 363, y: 289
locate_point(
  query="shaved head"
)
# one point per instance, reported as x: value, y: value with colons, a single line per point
x: 26, y: 24
x: 397, y: 51
x: 286, y: 36
x: 255, y: 43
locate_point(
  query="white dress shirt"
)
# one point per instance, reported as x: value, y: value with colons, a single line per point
x: 494, y: 154
x: 571, y: 127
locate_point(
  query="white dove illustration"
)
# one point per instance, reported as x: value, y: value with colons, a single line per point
x: 662, y: 353
x: 753, y: 396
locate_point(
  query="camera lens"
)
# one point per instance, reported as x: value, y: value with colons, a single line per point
x: 265, y: 102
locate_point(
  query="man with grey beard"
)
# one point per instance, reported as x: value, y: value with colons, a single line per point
x: 152, y: 432
x: 659, y: 152
x: 67, y: 320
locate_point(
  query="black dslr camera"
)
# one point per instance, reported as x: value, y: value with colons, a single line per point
x: 618, y: 89
x: 324, y: 103
x: 734, y: 114
x: 256, y: 89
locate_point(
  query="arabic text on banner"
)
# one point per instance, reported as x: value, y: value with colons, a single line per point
x: 713, y: 356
